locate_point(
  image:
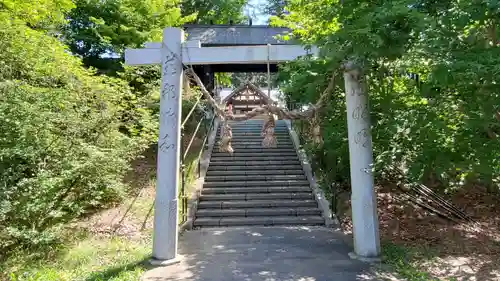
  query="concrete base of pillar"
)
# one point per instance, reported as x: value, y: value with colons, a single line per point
x: 353, y: 256
x: 163, y: 263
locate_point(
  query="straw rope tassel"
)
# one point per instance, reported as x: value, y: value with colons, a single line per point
x: 227, y: 132
x: 268, y: 132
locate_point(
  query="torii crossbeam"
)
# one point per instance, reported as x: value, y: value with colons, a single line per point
x: 172, y: 53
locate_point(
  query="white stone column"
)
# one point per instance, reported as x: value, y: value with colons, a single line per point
x: 363, y: 198
x: 166, y: 219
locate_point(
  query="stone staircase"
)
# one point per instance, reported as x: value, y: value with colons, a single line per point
x: 257, y: 185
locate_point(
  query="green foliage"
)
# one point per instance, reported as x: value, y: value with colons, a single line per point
x: 445, y: 127
x: 216, y: 11
x: 275, y: 7
x: 258, y: 79
x: 105, y: 28
x: 63, y: 152
x: 37, y: 13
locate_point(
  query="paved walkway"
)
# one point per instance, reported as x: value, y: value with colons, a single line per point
x: 263, y: 254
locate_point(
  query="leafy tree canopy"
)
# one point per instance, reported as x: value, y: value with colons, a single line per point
x: 37, y: 13
x: 443, y: 122
x: 215, y: 11
x: 98, y: 29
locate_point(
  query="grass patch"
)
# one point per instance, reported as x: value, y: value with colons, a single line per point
x: 106, y: 247
x: 93, y: 258
x: 404, y: 262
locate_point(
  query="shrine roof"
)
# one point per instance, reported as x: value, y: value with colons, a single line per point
x: 248, y: 86
x: 236, y: 35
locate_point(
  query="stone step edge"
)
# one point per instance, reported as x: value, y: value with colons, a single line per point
x: 255, y: 170
x: 253, y: 190
x: 246, y: 168
x: 249, y: 178
x: 255, y: 183
x: 240, y: 221
x: 241, y: 204
x: 255, y: 163
x: 254, y: 158
x: 258, y: 212
x: 256, y: 189
x: 254, y: 173
x: 248, y: 196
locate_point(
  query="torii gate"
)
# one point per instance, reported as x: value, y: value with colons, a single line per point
x: 172, y: 53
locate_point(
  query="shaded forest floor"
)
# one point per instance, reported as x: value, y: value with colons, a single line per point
x: 423, y: 246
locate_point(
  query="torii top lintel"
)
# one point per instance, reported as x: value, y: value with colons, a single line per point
x: 194, y: 54
x: 237, y: 35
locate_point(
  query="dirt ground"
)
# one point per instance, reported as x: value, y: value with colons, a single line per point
x: 464, y: 251
x: 131, y: 220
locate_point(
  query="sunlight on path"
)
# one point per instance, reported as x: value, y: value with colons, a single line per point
x: 263, y: 253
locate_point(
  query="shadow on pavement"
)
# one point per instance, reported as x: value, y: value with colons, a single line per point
x: 263, y: 253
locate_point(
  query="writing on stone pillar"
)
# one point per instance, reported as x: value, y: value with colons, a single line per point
x: 169, y: 59
x: 361, y: 114
x: 361, y: 111
x: 168, y: 94
x: 168, y: 91
x: 165, y: 143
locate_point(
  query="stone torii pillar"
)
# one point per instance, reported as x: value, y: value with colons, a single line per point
x: 363, y: 199
x: 166, y: 220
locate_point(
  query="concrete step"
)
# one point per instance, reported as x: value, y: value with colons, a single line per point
x: 234, y: 204
x: 255, y: 189
x: 255, y: 138
x: 253, y: 158
x: 255, y: 163
x: 279, y: 123
x: 257, y: 196
x: 256, y: 135
x: 256, y: 142
x: 243, y: 154
x: 240, y: 146
x: 255, y: 172
x: 257, y: 151
x: 255, y: 121
x: 255, y: 132
x: 256, y: 128
x: 247, y: 178
x: 260, y: 220
x: 256, y: 183
x: 245, y: 148
x: 292, y: 166
x: 255, y: 125
x: 260, y: 149
x: 250, y: 212
x: 251, y: 122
